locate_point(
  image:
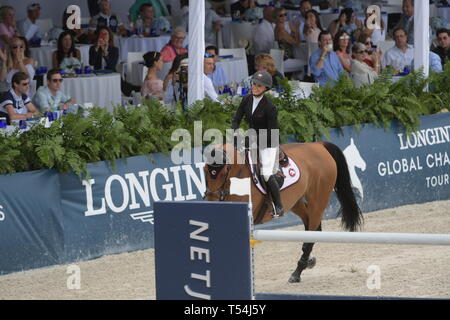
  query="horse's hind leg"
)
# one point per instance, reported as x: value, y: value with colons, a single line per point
x: 306, y: 261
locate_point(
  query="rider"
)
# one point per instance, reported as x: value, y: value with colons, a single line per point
x: 261, y: 113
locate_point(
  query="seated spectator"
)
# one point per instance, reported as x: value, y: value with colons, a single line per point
x: 208, y: 68
x: 238, y: 9
x: 376, y: 33
x: 312, y: 28
x: 342, y: 48
x: 324, y: 62
x: 264, y: 36
x: 218, y: 77
x: 106, y: 19
x: 171, y: 80
x: 373, y: 54
x: 175, y: 45
x: 16, y: 61
x: 79, y: 35
x: 443, y: 48
x: 28, y: 27
x: 305, y: 6
x: 361, y: 72
x: 8, y: 29
x: 147, y: 16
x: 15, y: 104
x: 153, y: 86
x: 401, y: 55
x: 347, y: 21
x: 159, y: 8
x: 265, y: 62
x: 50, y: 97
x: 66, y: 55
x: 287, y: 41
x: 103, y: 55
x: 407, y: 20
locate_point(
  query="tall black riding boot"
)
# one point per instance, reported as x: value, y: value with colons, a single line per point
x: 274, y: 190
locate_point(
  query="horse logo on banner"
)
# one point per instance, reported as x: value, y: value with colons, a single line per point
x: 354, y: 160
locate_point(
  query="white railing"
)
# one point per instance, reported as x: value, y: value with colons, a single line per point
x: 352, y: 237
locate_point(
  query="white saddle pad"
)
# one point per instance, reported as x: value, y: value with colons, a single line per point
x: 291, y: 172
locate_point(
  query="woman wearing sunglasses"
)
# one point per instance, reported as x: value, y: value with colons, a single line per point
x: 341, y: 45
x: 361, y: 72
x: 50, y: 97
x: 15, y: 60
x: 373, y: 54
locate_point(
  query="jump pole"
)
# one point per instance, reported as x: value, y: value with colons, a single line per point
x: 352, y: 237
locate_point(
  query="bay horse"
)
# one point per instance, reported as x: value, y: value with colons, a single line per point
x: 323, y: 169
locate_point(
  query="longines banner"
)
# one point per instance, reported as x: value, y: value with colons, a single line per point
x: 48, y: 218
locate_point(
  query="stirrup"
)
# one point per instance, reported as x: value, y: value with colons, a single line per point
x: 278, y: 212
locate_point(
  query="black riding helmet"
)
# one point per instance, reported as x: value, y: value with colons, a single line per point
x: 263, y: 78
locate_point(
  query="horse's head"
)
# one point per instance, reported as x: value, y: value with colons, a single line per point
x: 221, y: 165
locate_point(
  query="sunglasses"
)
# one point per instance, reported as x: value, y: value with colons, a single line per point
x: 57, y: 80
x: 15, y: 47
x: 283, y: 15
x: 209, y: 55
x: 362, y: 52
x: 368, y: 43
x: 26, y: 84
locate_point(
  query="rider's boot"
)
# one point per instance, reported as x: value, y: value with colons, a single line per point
x: 274, y: 189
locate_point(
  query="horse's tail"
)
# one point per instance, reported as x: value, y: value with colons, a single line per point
x: 351, y: 213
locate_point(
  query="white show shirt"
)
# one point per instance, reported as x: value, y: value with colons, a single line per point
x: 256, y: 102
x: 397, y: 58
x: 209, y: 88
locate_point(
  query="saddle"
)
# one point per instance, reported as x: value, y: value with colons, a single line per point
x: 287, y: 174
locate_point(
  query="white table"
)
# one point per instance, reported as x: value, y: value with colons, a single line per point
x: 235, y: 69
x: 43, y: 55
x: 102, y: 90
x: 138, y: 44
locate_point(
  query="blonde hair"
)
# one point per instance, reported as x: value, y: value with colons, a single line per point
x: 4, y: 10
x: 9, y: 61
x: 266, y: 61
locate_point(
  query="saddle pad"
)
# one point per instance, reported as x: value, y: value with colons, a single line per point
x: 291, y: 172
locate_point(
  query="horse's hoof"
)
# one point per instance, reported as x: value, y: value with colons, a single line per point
x: 311, y: 263
x: 294, y: 279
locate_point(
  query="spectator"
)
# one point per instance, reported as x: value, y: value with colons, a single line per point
x: 347, y: 21
x: 66, y: 55
x: 8, y: 29
x: 377, y: 33
x: 341, y: 46
x: 401, y: 55
x: 324, y: 62
x: 147, y: 15
x: 50, y: 97
x: 208, y: 68
x: 305, y: 6
x: 28, y: 27
x: 443, y: 48
x: 106, y: 19
x: 265, y: 62
x: 218, y: 77
x: 361, y: 72
x: 175, y: 45
x: 238, y: 9
x: 264, y: 37
x: 287, y: 41
x: 103, y: 55
x: 407, y: 20
x: 213, y: 24
x: 16, y: 61
x: 312, y: 27
x: 159, y: 8
x: 15, y: 104
x: 79, y: 35
x: 171, y: 81
x: 373, y: 54
x: 153, y: 86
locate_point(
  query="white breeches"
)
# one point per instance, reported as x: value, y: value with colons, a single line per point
x: 269, y: 157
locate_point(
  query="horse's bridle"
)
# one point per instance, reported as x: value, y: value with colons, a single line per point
x: 224, y: 190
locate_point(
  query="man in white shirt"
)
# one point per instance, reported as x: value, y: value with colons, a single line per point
x: 28, y: 27
x: 401, y: 55
x: 264, y: 37
x: 208, y: 68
